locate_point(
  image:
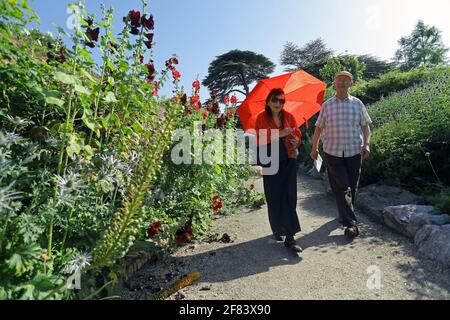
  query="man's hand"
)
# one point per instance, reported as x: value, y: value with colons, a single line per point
x: 365, y: 152
x: 314, y: 153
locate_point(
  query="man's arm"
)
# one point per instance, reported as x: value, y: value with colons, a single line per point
x: 315, y: 145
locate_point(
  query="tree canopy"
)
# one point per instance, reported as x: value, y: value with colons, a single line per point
x: 423, y: 46
x: 235, y: 70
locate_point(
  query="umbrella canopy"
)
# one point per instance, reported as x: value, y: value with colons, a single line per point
x: 303, y: 92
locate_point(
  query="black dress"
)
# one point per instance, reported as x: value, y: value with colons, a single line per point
x: 280, y: 190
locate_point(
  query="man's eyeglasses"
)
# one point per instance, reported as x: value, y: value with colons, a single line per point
x: 276, y: 100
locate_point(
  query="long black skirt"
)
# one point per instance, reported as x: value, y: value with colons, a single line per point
x: 280, y: 190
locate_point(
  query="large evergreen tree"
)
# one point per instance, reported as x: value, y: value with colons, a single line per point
x: 235, y: 70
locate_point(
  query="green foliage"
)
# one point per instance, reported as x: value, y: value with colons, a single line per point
x: 393, y: 81
x: 412, y: 129
x: 440, y: 197
x: 350, y: 63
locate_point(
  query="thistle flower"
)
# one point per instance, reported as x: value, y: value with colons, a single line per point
x: 9, y: 138
x: 7, y: 196
x: 67, y: 185
x: 18, y: 122
x: 78, y: 263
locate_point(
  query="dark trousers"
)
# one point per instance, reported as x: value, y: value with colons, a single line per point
x: 343, y: 174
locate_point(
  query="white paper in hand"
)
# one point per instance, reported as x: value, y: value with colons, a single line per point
x: 318, y: 163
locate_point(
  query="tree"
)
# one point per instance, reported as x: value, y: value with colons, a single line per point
x: 237, y: 68
x: 375, y: 66
x: 347, y: 62
x: 311, y: 57
x: 423, y: 46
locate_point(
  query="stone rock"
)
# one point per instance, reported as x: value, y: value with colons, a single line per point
x: 433, y: 242
x: 408, y: 219
x: 374, y: 198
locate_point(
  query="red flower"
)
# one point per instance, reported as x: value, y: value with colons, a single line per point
x: 141, y: 59
x: 176, y: 74
x: 171, y: 62
x: 209, y: 107
x: 154, y: 228
x: 151, y: 71
x: 215, y: 203
x: 233, y: 99
x: 226, y: 99
x: 196, y: 86
x: 188, y: 111
x: 193, y: 100
x: 252, y: 186
x: 155, y: 88
x: 148, y: 23
x: 205, y: 115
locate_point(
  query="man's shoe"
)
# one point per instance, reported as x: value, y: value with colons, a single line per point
x: 278, y: 238
x: 291, y: 244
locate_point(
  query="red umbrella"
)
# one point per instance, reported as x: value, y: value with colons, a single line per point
x: 303, y: 93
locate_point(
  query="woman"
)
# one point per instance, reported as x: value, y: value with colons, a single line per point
x: 280, y: 189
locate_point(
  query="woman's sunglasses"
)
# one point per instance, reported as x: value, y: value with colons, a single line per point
x: 276, y: 100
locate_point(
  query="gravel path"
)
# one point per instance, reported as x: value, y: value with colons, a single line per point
x: 254, y: 266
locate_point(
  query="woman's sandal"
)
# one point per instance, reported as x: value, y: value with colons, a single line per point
x: 351, y: 231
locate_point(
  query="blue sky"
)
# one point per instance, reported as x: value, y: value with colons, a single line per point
x: 199, y: 30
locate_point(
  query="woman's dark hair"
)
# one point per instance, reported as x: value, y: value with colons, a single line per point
x: 273, y: 93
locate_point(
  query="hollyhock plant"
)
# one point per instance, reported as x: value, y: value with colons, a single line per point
x: 149, y: 41
x: 183, y: 234
x: 233, y: 99
x: 226, y: 100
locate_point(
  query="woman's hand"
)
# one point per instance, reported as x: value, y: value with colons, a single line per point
x: 294, y: 140
x: 286, y: 131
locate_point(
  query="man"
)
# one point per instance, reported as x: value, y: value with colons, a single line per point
x: 339, y: 125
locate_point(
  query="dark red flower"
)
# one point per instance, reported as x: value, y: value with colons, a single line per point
x: 89, y: 21
x: 154, y: 228
x: 215, y: 108
x: 225, y: 238
x: 226, y: 99
x: 93, y: 33
x: 148, y: 44
x: 90, y: 44
x: 214, y: 94
x: 182, y: 239
x: 184, y: 99
x: 209, y: 107
x: 134, y: 30
x: 251, y: 187
x: 203, y: 127
x: 148, y: 23
x: 233, y: 99
x: 188, y: 111
x: 205, y: 115
x: 141, y: 59
x: 135, y: 17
